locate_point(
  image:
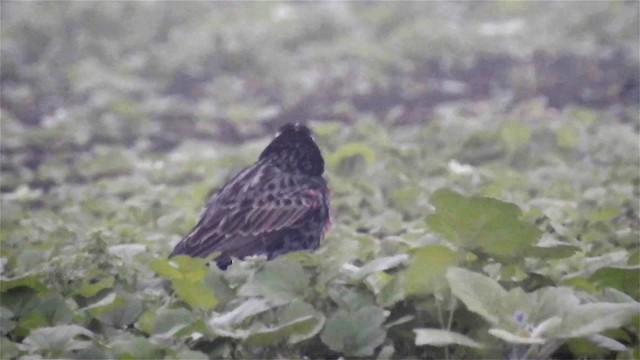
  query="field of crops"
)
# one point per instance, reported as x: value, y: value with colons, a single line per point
x: 483, y: 160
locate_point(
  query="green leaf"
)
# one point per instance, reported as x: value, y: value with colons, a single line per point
x: 58, y: 339
x: 350, y: 150
x: 515, y: 338
x: 487, y: 224
x: 127, y: 251
x: 117, y: 310
x: 146, y: 322
x: 590, y: 319
x: 426, y: 272
x: 515, y: 135
x: 91, y: 289
x: 31, y: 321
x: 180, y: 267
x: 327, y: 128
x: 271, y: 335
x: 279, y: 279
x: 6, y: 321
x: 165, y: 269
x: 8, y: 349
x: 386, y: 353
x: 196, y: 294
x: 479, y: 293
x: 604, y: 214
x: 634, y: 257
x: 550, y: 301
x: 30, y: 281
x: 34, y: 312
x: 607, y: 342
x: 377, y: 281
x: 192, y: 269
x: 349, y: 157
x: 298, y: 321
x: 192, y: 355
x: 552, y: 252
x: 135, y: 348
x: 105, y: 304
x: 526, y: 333
x: 55, y: 310
x: 437, y: 337
x: 172, y: 320
x: 299, y: 310
x: 355, y: 333
x: 405, y: 198
x: 392, y: 291
x: 567, y: 137
x: 582, y: 347
x: 350, y: 298
x: 381, y: 264
x: 623, y: 279
x: 247, y: 309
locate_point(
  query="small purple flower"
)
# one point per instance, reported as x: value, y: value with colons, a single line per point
x: 520, y: 317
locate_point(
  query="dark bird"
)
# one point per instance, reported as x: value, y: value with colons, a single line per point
x: 277, y: 205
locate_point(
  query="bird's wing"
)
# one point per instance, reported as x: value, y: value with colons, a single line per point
x: 253, y: 203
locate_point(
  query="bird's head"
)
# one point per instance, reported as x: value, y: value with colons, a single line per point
x: 294, y: 150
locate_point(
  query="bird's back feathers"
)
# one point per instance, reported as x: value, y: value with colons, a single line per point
x: 277, y: 205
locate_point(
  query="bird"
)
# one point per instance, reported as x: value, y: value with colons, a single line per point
x: 279, y: 204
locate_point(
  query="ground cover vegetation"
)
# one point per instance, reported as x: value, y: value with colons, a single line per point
x: 483, y: 161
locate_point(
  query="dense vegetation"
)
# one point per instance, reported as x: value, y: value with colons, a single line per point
x: 483, y: 160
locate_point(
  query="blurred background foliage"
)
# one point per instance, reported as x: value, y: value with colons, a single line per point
x: 118, y: 118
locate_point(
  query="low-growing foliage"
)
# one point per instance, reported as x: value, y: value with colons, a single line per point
x: 477, y: 227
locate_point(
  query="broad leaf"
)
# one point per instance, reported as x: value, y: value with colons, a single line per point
x: 280, y: 279
x: 91, y: 289
x: 355, y: 333
x: 171, y: 320
x: 117, y: 310
x: 30, y: 281
x: 6, y: 321
x: 479, y: 293
x: 590, y: 319
x: 247, y: 309
x: 515, y: 338
x: 135, y: 348
x: 623, y: 279
x: 297, y: 321
x: 180, y: 267
x: 197, y: 294
x: 381, y: 264
x: 426, y: 272
x: 437, y: 337
x: 58, y: 339
x: 487, y: 224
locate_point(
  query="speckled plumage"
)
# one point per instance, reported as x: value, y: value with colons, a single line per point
x: 277, y: 205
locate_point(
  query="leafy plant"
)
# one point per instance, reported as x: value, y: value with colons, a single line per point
x: 481, y: 207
